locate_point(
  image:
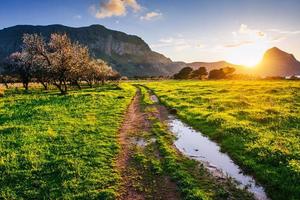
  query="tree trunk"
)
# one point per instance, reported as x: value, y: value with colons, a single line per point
x: 78, y: 85
x: 6, y: 85
x: 90, y: 83
x: 65, y: 88
x: 25, y: 85
x: 45, y: 85
x: 60, y: 88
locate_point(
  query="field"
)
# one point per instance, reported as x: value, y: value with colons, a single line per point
x: 159, y: 171
x: 256, y: 122
x: 55, y: 146
x: 2, y: 89
x: 98, y: 143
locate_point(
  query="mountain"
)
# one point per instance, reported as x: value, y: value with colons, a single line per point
x: 128, y: 54
x: 276, y: 62
x: 131, y: 56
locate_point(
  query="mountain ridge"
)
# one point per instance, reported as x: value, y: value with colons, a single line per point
x: 128, y: 54
x: 216, y: 65
x: 277, y: 62
x: 132, y: 56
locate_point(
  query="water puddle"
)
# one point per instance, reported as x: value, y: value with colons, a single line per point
x: 154, y: 98
x: 141, y: 142
x: 198, y: 147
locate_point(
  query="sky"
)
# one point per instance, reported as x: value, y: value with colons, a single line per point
x: 238, y: 31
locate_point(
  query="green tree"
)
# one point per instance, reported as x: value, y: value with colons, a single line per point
x: 199, y: 73
x: 222, y: 73
x: 216, y: 74
x: 184, y: 73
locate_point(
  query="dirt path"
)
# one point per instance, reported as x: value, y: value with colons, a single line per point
x: 140, y: 156
x: 134, y: 123
x: 134, y: 180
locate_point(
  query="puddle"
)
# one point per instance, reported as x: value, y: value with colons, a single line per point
x: 198, y: 147
x: 154, y: 98
x: 142, y: 142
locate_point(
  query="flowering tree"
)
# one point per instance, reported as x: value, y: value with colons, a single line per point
x: 103, y: 71
x: 97, y: 71
x: 20, y: 64
x: 80, y: 63
x: 59, y: 62
x: 35, y: 46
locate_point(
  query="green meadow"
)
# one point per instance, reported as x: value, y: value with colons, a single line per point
x: 66, y: 146
x: 256, y: 122
x: 61, y: 147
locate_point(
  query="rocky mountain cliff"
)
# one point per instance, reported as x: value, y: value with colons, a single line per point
x: 276, y: 62
x: 128, y: 54
x: 131, y: 56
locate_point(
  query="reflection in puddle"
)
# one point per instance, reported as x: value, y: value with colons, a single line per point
x: 154, y: 98
x: 198, y: 147
x: 142, y: 142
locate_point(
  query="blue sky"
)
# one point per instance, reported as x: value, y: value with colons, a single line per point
x: 190, y: 30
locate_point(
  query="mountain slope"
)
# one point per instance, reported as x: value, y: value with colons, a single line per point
x: 128, y: 54
x: 276, y: 62
x: 131, y: 56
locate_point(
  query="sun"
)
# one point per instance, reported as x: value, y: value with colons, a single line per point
x: 248, y: 55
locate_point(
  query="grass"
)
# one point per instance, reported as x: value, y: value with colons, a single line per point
x: 2, y: 89
x: 257, y: 122
x: 160, y: 158
x: 61, y: 147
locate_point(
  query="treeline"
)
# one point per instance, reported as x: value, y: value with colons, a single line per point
x: 201, y: 73
x: 58, y: 62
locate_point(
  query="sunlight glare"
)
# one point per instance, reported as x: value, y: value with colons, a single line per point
x: 247, y: 55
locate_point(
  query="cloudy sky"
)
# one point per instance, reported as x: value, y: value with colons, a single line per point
x: 238, y: 31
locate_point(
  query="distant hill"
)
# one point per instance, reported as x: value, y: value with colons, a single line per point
x: 128, y: 54
x: 131, y: 56
x: 276, y: 62
x: 216, y: 65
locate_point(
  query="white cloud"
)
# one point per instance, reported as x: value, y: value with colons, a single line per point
x: 237, y: 44
x: 278, y: 38
x: 77, y: 17
x: 178, y: 44
x: 151, y: 16
x: 245, y: 36
x: 285, y: 31
x: 111, y: 8
x: 133, y: 4
x: 244, y: 29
